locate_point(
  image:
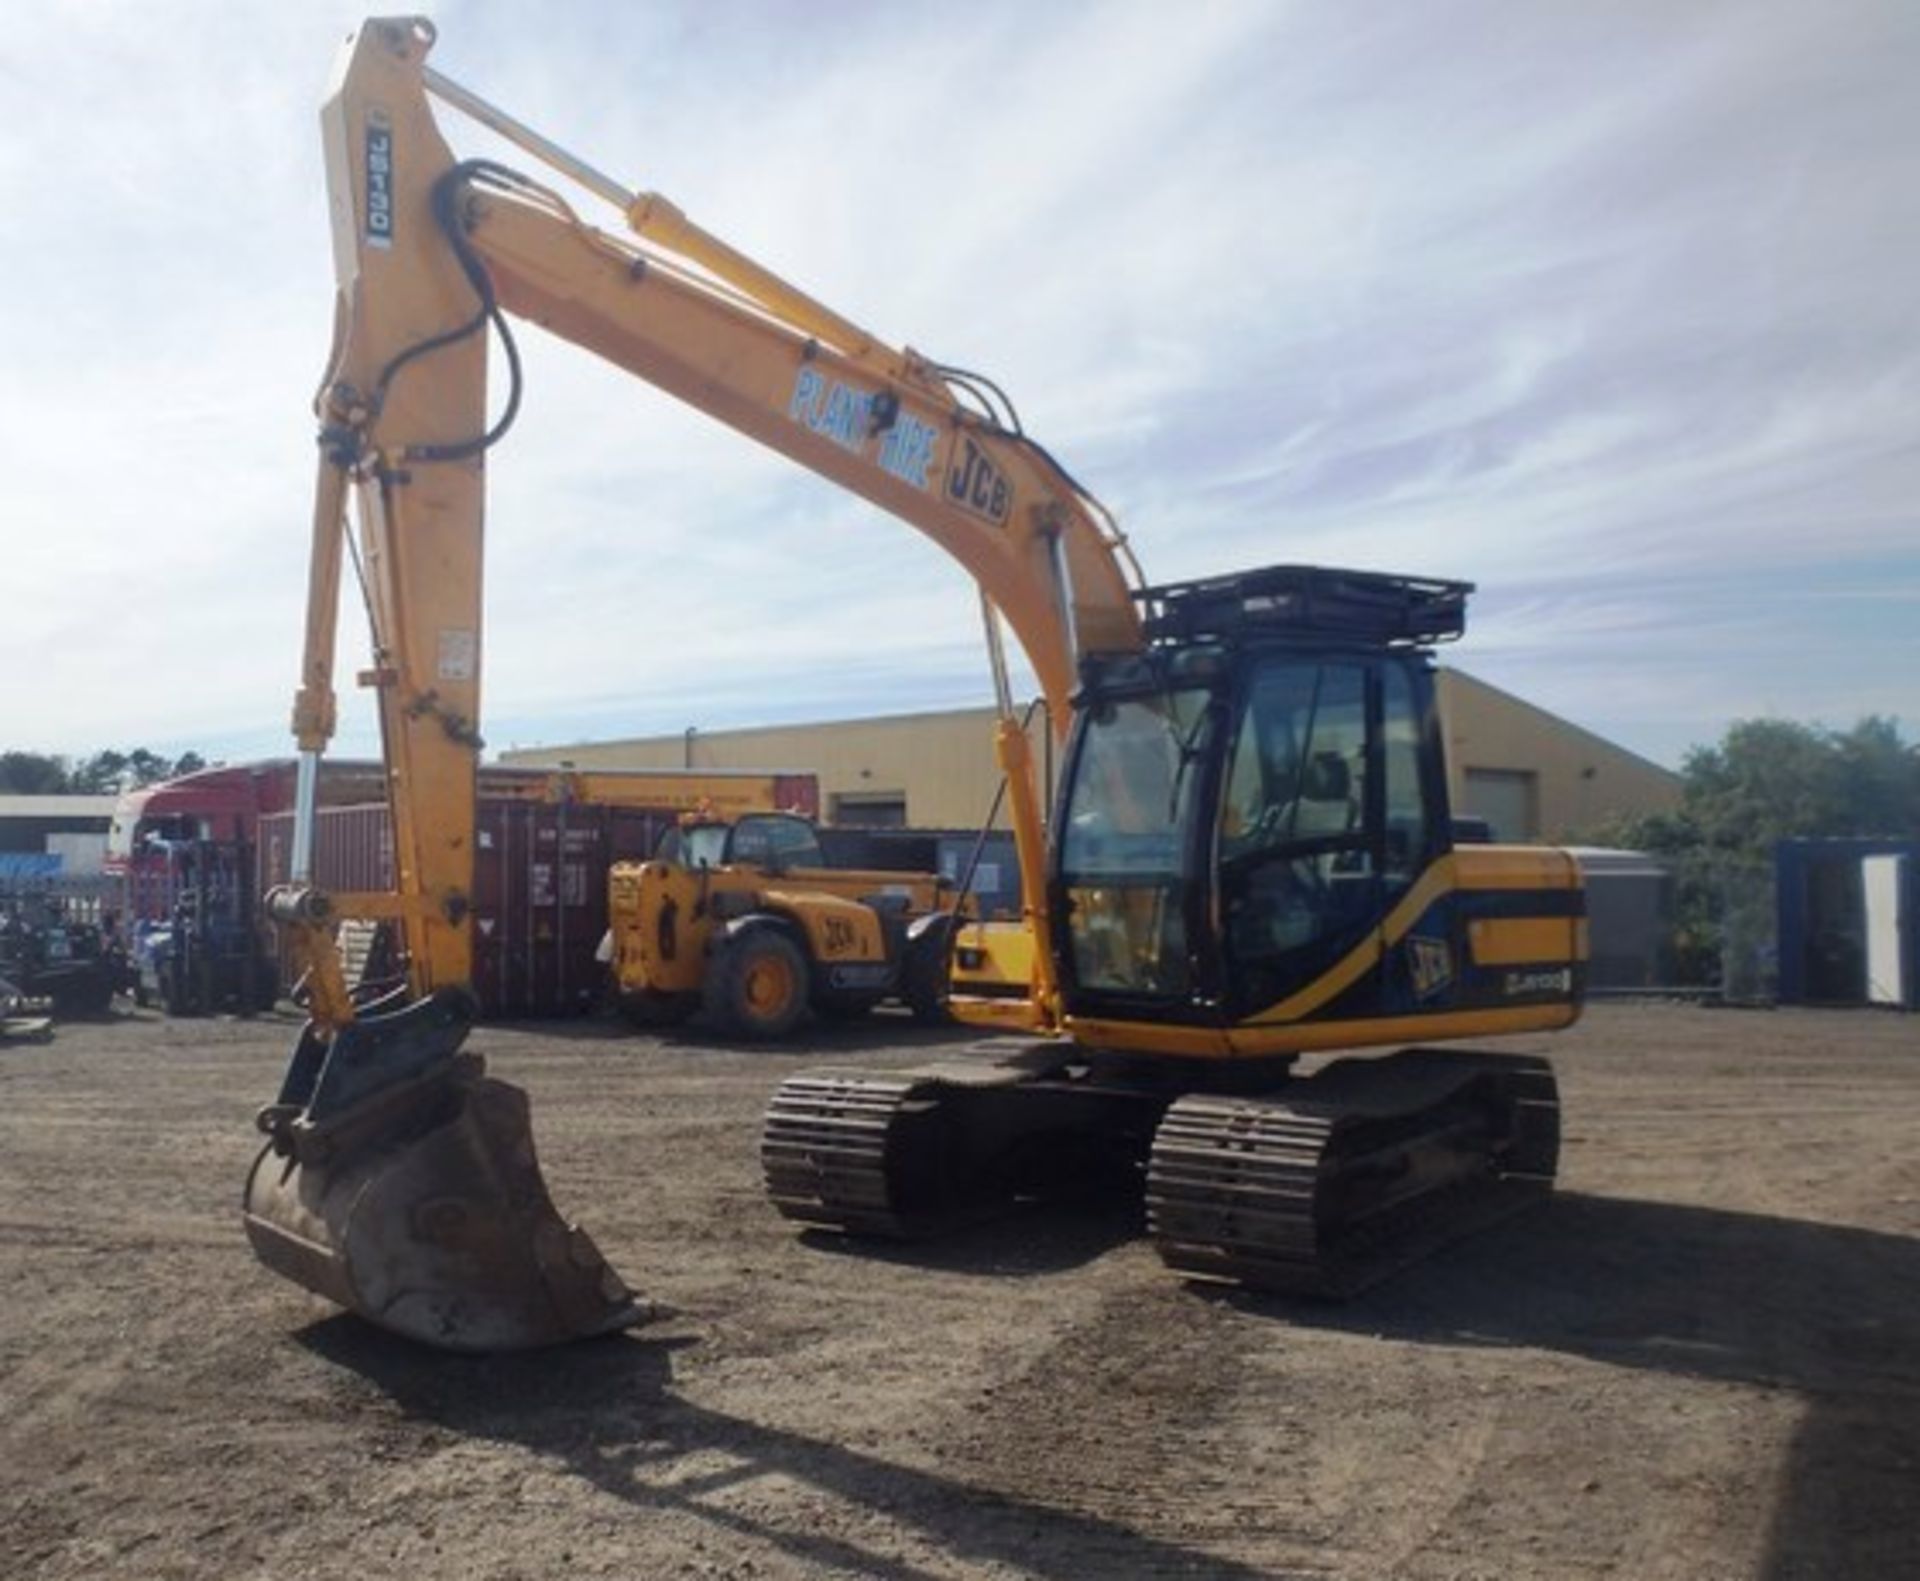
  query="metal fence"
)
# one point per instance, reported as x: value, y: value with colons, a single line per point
x: 91, y: 899
x: 1744, y: 929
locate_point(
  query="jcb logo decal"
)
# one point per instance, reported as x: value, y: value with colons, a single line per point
x: 1429, y: 964
x: 974, y: 483
x: 840, y: 939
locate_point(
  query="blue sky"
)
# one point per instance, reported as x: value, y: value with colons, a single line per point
x: 1609, y: 309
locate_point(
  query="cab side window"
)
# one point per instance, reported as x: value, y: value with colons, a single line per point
x: 794, y: 844
x: 1409, y: 833
x: 776, y: 842
x: 750, y: 842
x: 1299, y: 765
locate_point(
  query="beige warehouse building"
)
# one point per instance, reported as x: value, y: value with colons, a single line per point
x: 1530, y: 774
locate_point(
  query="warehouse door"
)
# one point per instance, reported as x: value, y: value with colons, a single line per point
x: 870, y: 809
x: 1884, y: 880
x: 1509, y: 799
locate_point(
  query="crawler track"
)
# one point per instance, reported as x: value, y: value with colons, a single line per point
x: 1320, y: 1187
x: 824, y: 1150
x: 1356, y: 1173
x: 910, y: 1154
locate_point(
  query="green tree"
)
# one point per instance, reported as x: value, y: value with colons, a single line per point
x: 1882, y: 776
x: 99, y: 774
x: 32, y: 774
x: 1770, y: 779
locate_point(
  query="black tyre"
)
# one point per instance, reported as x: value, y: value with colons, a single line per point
x: 757, y: 985
x: 924, y: 973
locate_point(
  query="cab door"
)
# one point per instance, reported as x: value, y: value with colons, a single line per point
x: 1298, y: 849
x: 1326, y: 820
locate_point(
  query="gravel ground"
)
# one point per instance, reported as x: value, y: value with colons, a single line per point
x: 1702, y: 1360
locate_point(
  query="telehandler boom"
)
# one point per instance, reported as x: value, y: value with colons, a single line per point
x: 1250, y: 855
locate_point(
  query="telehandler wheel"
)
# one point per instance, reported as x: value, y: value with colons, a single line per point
x: 924, y: 976
x: 757, y: 985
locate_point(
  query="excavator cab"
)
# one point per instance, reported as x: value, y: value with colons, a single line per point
x: 1246, y: 800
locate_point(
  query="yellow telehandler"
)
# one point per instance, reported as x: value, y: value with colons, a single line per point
x: 746, y: 920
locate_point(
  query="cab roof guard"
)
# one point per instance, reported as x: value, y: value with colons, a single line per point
x: 1369, y: 608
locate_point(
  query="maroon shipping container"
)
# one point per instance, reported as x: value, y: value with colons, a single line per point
x: 540, y: 900
x: 539, y: 891
x: 352, y: 849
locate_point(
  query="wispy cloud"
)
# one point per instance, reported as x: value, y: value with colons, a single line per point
x: 1609, y: 309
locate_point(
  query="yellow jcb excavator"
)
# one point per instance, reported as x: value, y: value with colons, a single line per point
x: 1249, y: 856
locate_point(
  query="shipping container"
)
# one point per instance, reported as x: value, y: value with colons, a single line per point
x: 539, y: 888
x: 994, y: 883
x: 1848, y: 922
x: 881, y: 848
x: 1629, y: 918
x: 945, y: 852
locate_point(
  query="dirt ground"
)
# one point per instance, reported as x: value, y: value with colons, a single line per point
x: 1702, y: 1360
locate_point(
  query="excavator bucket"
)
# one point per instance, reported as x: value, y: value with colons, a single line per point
x: 399, y: 1180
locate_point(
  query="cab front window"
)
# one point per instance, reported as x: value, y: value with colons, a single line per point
x: 1127, y: 841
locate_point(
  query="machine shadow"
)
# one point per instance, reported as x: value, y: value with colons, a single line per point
x: 1828, y: 1311
x: 1847, y: 1503
x: 606, y: 1410
x: 1660, y: 1286
x: 881, y: 1032
x: 1040, y: 1237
